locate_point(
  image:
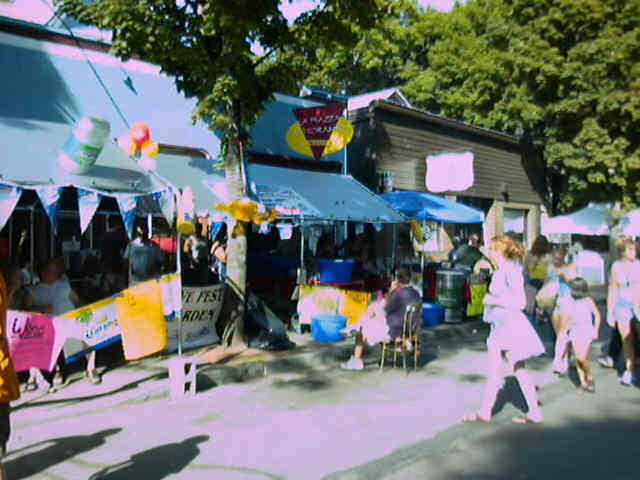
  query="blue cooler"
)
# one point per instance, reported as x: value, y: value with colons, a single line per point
x: 335, y: 271
x: 326, y: 327
x: 432, y: 314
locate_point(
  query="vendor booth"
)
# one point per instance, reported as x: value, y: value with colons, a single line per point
x: 451, y: 293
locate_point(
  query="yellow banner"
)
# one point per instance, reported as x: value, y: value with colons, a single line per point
x: 476, y: 305
x: 144, y: 329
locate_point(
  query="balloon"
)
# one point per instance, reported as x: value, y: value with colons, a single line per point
x: 341, y: 136
x: 150, y: 149
x: 140, y: 133
x: 186, y: 228
x: 127, y: 144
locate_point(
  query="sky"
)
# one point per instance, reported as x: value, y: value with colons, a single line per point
x: 37, y: 11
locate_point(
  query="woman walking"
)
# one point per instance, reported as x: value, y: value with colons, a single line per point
x: 512, y: 337
x: 584, y: 329
x: 623, y: 301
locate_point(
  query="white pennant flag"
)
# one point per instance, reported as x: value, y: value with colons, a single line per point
x: 9, y: 197
x: 88, y: 203
x: 50, y: 199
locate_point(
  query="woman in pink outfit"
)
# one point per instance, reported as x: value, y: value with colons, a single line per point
x: 512, y: 337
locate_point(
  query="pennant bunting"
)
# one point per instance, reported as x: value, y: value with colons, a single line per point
x: 166, y: 200
x: 9, y: 197
x: 127, y: 205
x: 50, y: 198
x: 88, y: 202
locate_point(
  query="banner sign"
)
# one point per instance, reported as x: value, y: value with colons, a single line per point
x: 9, y: 197
x: 318, y: 123
x: 283, y: 200
x: 32, y: 340
x: 127, y: 205
x: 144, y: 328
x: 88, y: 203
x: 200, y: 310
x: 316, y: 300
x: 89, y: 328
x: 50, y: 197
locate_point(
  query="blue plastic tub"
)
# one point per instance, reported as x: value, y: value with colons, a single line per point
x: 335, y: 271
x: 326, y: 327
x: 432, y: 314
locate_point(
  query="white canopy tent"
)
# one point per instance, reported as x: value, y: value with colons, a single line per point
x: 591, y: 220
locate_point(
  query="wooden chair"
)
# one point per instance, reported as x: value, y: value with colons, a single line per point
x: 411, y: 329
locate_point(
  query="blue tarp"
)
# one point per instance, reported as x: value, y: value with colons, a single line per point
x: 425, y: 206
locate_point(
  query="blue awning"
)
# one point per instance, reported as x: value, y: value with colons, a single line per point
x: 425, y: 206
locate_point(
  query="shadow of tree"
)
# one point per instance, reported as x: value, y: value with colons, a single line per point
x: 51, y: 452
x: 156, y: 463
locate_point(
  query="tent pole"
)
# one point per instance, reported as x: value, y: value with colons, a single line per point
x: 301, y: 247
x: 31, y: 241
x: 178, y: 270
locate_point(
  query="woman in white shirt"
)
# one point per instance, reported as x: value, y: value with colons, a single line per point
x: 512, y: 337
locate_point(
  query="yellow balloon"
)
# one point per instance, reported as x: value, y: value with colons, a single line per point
x: 339, y: 139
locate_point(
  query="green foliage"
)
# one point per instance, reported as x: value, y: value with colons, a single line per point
x: 565, y: 71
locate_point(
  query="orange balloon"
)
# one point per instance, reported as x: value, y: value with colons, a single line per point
x: 150, y: 149
x: 140, y: 133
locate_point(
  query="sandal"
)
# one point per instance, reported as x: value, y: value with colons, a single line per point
x: 57, y: 378
x: 475, y: 418
x: 589, y: 387
x: 94, y: 377
x: 52, y: 389
x: 526, y: 420
x: 31, y: 386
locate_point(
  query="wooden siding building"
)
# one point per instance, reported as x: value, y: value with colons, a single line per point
x: 396, y: 138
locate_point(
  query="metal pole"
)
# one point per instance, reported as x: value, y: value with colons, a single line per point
x: 393, y: 246
x: 178, y: 270
x: 11, y: 236
x: 31, y: 241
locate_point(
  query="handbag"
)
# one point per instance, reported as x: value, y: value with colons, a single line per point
x: 547, y: 296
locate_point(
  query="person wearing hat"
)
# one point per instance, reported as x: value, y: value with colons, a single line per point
x: 584, y: 328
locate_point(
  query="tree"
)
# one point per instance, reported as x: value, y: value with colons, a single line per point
x: 231, y: 56
x: 375, y: 62
x: 563, y: 72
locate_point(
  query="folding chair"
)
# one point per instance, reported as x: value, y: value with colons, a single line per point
x: 411, y: 329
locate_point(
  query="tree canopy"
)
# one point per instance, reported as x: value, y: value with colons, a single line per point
x: 565, y: 74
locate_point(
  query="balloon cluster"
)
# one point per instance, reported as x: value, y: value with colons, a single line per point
x: 138, y: 144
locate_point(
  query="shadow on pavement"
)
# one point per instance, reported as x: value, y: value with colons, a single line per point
x: 51, y: 452
x: 155, y: 463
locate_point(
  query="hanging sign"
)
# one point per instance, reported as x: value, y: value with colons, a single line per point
x: 50, y: 199
x: 317, y: 125
x: 144, y: 328
x: 88, y: 202
x: 9, y: 197
x: 89, y: 328
x: 200, y: 310
x: 341, y: 136
x: 32, y: 340
x: 449, y: 172
x: 127, y: 205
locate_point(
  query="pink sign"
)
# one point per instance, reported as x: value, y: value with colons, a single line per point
x: 318, y: 123
x: 32, y: 340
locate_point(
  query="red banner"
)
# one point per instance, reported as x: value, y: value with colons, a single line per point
x: 318, y: 123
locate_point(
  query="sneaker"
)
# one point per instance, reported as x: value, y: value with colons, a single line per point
x: 353, y: 364
x: 626, y: 378
x: 606, y: 362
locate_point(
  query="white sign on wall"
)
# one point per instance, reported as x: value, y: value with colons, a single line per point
x: 449, y: 172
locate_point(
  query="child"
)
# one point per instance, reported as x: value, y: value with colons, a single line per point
x: 583, y: 330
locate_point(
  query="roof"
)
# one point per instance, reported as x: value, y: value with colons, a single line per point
x: 362, y: 101
x: 455, y: 124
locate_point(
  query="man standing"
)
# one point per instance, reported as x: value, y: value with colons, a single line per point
x: 467, y: 255
x: 144, y: 256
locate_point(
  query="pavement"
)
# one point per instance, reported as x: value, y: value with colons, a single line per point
x: 296, y: 415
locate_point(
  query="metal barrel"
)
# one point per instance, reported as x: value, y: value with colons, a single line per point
x: 450, y: 286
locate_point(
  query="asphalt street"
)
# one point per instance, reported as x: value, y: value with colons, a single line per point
x: 324, y: 422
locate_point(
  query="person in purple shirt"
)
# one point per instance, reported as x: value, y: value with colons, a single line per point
x: 384, y: 319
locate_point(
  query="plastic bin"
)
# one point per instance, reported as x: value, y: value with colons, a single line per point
x: 335, y: 271
x: 326, y: 327
x: 432, y: 314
